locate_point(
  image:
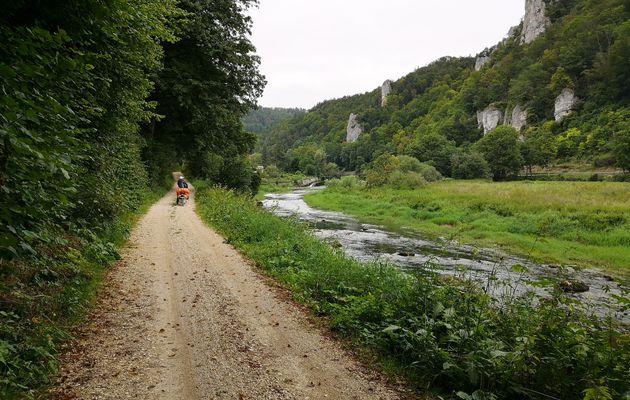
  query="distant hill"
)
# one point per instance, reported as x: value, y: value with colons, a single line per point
x: 259, y: 121
x: 561, y: 79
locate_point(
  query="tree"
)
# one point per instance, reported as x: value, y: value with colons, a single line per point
x: 500, y: 148
x: 538, y: 148
x: 469, y: 165
x: 621, y: 150
x: 568, y: 143
x: 209, y: 82
x: 433, y: 149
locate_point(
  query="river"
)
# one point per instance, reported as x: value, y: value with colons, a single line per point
x: 500, y: 274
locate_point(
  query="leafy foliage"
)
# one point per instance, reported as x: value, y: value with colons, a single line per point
x: 500, y: 148
x: 210, y: 80
x: 75, y: 80
x: 400, y: 172
x: 469, y: 165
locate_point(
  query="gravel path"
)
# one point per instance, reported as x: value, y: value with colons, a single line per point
x: 184, y: 316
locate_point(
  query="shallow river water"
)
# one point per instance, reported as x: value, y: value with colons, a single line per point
x: 500, y: 273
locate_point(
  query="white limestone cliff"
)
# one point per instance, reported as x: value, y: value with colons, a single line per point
x: 354, y: 129
x: 386, y: 89
x: 565, y: 104
x: 489, y: 118
x: 519, y: 118
x: 481, y: 61
x: 535, y: 21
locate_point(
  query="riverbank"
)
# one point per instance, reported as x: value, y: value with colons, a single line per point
x: 571, y: 223
x: 44, y: 297
x: 444, y: 335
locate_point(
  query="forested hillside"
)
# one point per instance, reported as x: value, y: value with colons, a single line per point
x: 262, y: 119
x: 99, y: 101
x: 565, y: 94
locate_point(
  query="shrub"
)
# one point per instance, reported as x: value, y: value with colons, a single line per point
x: 429, y: 173
x: 406, y: 180
x: 469, y: 165
x: 604, y: 160
x: 400, y: 172
x: 346, y: 182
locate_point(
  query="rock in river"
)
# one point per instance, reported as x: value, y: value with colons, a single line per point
x: 570, y: 286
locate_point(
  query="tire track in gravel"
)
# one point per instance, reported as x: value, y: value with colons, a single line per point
x: 184, y: 316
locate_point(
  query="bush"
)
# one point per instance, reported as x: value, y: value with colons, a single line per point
x: 406, y: 180
x: 469, y: 165
x: 604, y: 160
x: 346, y: 182
x: 401, y: 172
x: 429, y: 173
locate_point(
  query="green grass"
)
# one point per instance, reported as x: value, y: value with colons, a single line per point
x: 574, y: 223
x: 444, y: 335
x: 44, y: 297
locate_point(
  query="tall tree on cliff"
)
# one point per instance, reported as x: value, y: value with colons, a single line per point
x: 209, y: 81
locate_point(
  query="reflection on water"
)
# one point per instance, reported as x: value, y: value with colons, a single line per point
x: 373, y: 243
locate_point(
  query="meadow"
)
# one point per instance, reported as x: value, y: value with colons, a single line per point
x: 586, y: 224
x: 446, y: 336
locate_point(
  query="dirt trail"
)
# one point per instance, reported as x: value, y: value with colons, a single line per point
x: 183, y: 316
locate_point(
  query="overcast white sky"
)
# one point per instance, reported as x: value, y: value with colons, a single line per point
x: 314, y: 50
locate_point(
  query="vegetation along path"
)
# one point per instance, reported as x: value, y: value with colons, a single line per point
x: 184, y: 316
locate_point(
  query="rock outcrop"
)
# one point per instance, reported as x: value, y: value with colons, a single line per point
x: 519, y: 118
x: 512, y: 31
x: 386, y: 89
x: 489, y: 118
x: 354, y: 129
x: 565, y: 104
x: 536, y: 21
x: 481, y: 61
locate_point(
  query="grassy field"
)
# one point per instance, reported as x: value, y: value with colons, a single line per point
x: 572, y: 223
x: 446, y: 336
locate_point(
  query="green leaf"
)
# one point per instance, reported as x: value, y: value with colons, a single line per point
x: 519, y: 268
x: 391, y: 328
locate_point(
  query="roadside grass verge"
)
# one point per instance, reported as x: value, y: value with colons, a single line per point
x: 43, y: 297
x: 574, y: 223
x: 445, y: 335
